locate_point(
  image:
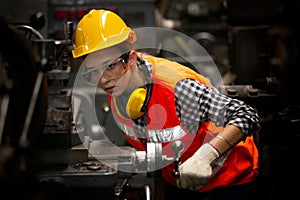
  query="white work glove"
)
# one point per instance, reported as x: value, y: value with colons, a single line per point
x: 196, y: 171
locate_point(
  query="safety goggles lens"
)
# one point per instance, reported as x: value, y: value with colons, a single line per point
x: 92, y: 74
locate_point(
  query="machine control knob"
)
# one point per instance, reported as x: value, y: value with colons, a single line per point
x: 253, y: 93
x: 232, y: 92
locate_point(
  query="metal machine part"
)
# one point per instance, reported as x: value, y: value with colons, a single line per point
x: 22, y: 108
x: 177, y: 148
x: 111, y: 167
x: 126, y: 159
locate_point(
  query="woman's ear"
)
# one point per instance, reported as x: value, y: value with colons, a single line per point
x: 132, y: 37
x: 132, y: 59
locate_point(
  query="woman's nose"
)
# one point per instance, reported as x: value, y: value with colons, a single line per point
x: 103, y: 79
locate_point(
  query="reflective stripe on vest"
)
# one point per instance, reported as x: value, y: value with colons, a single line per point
x: 161, y: 136
x: 166, y: 135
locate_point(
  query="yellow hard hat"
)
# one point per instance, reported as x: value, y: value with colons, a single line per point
x: 100, y: 29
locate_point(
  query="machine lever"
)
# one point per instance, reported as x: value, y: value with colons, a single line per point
x: 177, y: 147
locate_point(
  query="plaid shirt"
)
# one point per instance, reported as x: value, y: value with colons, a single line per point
x: 197, y: 103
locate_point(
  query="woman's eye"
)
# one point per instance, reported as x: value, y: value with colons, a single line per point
x: 110, y: 66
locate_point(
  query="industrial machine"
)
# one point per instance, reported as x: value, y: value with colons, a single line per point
x: 51, y: 147
x: 67, y: 148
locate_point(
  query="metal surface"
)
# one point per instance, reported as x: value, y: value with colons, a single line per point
x: 127, y: 159
x: 79, y: 175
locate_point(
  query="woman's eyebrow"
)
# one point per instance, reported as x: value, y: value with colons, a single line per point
x: 94, y: 64
x: 108, y: 62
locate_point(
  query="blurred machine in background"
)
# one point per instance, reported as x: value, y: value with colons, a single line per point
x: 137, y: 13
x: 50, y: 147
x: 52, y: 137
x: 255, y: 45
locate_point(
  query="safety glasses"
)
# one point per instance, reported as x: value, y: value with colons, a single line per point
x: 92, y: 74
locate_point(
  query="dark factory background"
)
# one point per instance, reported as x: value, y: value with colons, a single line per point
x: 255, y: 45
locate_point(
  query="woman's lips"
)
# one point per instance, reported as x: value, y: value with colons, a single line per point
x: 109, y: 89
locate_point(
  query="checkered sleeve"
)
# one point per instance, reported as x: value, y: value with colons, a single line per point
x: 197, y: 103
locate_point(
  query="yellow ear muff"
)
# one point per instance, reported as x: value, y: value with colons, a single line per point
x: 136, y: 102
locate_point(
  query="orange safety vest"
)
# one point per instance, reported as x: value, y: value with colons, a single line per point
x: 239, y: 166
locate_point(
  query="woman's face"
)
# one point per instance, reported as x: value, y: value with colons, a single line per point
x: 108, y: 71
